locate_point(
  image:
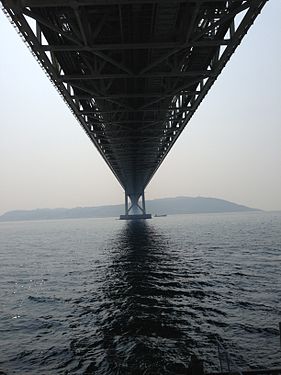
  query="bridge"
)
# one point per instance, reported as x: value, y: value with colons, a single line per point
x: 133, y: 72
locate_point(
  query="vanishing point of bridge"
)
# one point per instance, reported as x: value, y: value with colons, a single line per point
x: 133, y: 72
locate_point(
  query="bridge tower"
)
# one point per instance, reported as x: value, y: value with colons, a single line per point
x: 135, y: 207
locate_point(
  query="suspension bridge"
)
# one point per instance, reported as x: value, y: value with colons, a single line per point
x: 133, y: 72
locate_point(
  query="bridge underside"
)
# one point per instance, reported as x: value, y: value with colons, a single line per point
x: 133, y: 71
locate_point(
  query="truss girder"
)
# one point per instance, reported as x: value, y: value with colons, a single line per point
x: 133, y: 72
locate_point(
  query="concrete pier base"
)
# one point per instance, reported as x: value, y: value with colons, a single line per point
x: 135, y: 217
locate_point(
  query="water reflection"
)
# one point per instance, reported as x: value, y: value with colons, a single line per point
x: 140, y: 324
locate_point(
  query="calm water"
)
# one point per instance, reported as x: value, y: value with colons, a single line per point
x: 101, y: 296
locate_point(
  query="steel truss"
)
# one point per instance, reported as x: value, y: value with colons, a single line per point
x: 133, y: 72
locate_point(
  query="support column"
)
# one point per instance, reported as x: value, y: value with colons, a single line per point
x: 143, y: 203
x: 126, y: 204
x: 135, y: 210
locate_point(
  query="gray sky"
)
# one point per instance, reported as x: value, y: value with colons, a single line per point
x: 231, y: 148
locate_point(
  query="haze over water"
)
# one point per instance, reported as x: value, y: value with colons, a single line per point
x: 101, y: 296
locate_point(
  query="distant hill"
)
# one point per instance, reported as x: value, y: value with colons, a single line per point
x: 169, y: 206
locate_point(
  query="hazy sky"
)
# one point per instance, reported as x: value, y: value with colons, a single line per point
x: 231, y: 148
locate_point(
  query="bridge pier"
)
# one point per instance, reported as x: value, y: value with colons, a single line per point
x: 136, y: 210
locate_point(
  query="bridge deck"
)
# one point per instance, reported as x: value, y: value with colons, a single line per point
x: 133, y: 71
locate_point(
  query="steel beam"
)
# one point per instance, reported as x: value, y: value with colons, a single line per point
x: 134, y: 46
x: 103, y: 76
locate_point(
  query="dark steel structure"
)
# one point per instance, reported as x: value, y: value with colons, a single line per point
x: 133, y: 71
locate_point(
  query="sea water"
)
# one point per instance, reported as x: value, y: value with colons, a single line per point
x: 103, y: 296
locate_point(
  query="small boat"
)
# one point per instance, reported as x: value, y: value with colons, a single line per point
x: 160, y: 215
